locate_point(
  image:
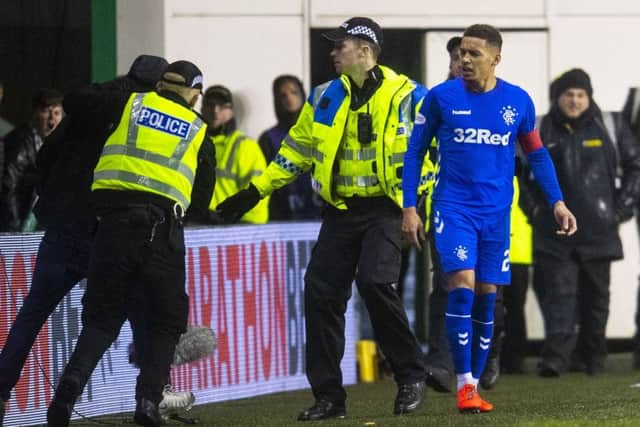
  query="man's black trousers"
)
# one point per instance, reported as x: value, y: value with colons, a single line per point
x: 573, y: 292
x: 361, y: 242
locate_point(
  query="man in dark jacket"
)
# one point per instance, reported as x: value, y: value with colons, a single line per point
x: 297, y: 201
x: 571, y: 275
x: 21, y: 147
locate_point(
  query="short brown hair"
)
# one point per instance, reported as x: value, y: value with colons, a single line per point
x: 375, y: 49
x: 485, y: 32
x: 46, y: 98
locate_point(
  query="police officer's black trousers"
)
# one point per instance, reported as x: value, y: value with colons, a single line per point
x: 361, y: 242
x: 134, y: 247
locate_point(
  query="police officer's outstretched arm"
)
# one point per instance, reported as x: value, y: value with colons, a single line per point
x: 234, y: 207
x: 292, y: 160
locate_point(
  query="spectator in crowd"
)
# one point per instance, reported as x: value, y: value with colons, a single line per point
x: 20, y: 148
x: 592, y: 152
x: 477, y: 120
x: 351, y: 134
x: 631, y: 115
x: 140, y: 198
x: 5, y: 126
x: 297, y: 201
x: 238, y: 157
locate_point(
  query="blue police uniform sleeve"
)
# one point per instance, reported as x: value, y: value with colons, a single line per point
x: 424, y: 128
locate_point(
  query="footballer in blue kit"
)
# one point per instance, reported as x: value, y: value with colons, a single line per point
x: 477, y: 120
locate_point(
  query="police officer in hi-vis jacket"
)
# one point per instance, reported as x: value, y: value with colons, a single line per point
x: 155, y: 164
x: 351, y: 135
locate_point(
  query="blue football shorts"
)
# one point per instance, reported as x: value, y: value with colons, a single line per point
x: 472, y: 241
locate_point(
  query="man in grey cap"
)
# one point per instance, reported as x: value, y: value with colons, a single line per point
x: 140, y: 197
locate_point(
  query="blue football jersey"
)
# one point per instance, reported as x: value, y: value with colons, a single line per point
x: 476, y: 134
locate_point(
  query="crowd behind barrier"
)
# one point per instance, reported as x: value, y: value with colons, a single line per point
x: 243, y: 282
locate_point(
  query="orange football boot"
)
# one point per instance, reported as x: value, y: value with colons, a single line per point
x: 469, y: 401
x: 485, y: 406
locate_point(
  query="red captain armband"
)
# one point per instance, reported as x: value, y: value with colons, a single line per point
x: 530, y: 142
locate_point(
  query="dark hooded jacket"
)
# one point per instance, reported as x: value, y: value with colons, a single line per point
x: 600, y: 181
x: 67, y: 160
x: 296, y: 201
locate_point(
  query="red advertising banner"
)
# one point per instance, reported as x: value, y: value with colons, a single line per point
x: 245, y: 282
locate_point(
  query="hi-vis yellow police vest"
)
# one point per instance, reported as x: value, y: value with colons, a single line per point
x: 238, y: 160
x: 154, y: 149
x: 521, y: 251
x: 314, y: 142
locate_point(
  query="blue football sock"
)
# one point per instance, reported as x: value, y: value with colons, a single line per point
x: 482, y: 320
x: 458, y: 323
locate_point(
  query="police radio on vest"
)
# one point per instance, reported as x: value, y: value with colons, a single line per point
x: 154, y: 119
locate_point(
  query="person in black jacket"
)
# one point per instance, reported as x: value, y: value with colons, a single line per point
x: 21, y: 147
x: 571, y: 275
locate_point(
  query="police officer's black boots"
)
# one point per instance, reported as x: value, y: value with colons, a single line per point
x: 409, y: 397
x: 61, y: 406
x: 322, y: 410
x: 147, y: 414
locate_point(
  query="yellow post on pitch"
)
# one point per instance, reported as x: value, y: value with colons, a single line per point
x: 366, y: 353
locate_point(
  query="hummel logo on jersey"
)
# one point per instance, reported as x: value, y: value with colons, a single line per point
x: 461, y: 112
x: 480, y: 136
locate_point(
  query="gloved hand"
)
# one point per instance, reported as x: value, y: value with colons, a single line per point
x: 232, y: 208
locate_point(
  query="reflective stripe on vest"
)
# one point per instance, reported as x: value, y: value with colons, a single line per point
x: 145, y: 181
x: 303, y: 150
x: 366, y: 153
x: 227, y: 172
x: 396, y: 158
x: 168, y: 162
x: 357, y: 181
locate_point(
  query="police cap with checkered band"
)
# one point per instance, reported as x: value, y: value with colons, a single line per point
x: 359, y: 27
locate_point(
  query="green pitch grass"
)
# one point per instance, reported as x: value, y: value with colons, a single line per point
x: 520, y: 400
